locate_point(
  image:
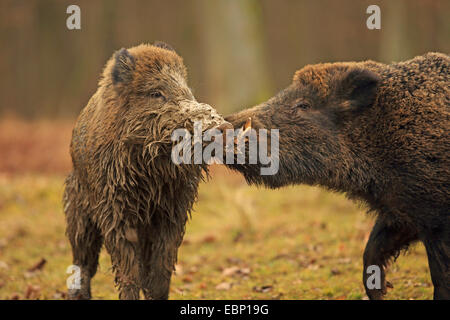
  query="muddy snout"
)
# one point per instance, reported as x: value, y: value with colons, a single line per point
x: 204, y: 120
x: 201, y: 114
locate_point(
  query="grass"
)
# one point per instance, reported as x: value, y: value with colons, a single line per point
x: 241, y: 243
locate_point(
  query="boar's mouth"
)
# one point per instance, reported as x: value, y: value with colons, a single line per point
x: 245, y: 121
x: 257, y: 150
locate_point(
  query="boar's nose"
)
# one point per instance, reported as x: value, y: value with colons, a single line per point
x: 224, y: 126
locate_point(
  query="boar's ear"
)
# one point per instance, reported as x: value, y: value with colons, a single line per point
x: 358, y: 88
x: 163, y: 45
x: 124, y: 65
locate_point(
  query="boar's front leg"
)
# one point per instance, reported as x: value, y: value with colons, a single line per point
x: 438, y: 251
x: 121, y: 243
x: 159, y: 245
x: 84, y: 236
x: 385, y: 242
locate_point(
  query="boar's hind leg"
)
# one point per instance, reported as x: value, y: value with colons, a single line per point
x: 85, y: 239
x: 438, y: 251
x: 86, y: 245
x: 385, y: 242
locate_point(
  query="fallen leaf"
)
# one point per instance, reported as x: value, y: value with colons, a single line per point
x: 59, y: 295
x: 235, y: 270
x: 335, y: 271
x: 209, y: 239
x: 344, y: 260
x: 193, y: 270
x: 277, y: 296
x: 245, y: 271
x: 15, y: 296
x: 230, y: 271
x: 32, y: 292
x: 38, y: 266
x: 223, y: 286
x: 233, y: 260
x: 263, y: 289
x: 313, y: 267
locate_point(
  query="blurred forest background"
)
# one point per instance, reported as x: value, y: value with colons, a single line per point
x: 238, y: 52
x: 242, y: 242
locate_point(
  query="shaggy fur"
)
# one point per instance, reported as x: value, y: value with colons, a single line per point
x: 380, y: 133
x: 124, y: 191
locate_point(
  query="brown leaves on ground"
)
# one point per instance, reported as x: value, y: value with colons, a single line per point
x: 31, y: 292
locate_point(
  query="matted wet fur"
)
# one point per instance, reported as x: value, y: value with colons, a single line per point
x: 124, y: 191
x: 381, y: 134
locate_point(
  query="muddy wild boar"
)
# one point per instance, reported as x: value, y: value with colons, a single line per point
x: 124, y: 190
x: 381, y: 134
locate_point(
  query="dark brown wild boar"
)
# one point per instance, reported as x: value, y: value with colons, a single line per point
x: 379, y: 133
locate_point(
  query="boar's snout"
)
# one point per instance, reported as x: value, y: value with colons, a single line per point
x: 234, y: 120
x: 253, y: 117
x: 224, y: 126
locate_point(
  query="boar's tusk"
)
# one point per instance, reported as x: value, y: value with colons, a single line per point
x: 248, y: 124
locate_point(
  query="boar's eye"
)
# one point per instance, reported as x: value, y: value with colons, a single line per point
x: 303, y: 105
x: 155, y: 95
